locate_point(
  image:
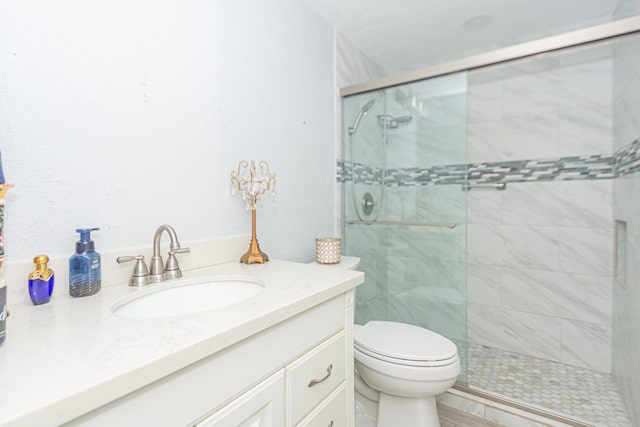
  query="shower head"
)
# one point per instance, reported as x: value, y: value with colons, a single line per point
x: 352, y: 129
x: 368, y: 105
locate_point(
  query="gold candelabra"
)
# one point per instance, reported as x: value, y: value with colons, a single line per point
x: 253, y: 183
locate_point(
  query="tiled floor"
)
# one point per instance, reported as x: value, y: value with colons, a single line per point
x: 567, y: 390
x: 450, y: 417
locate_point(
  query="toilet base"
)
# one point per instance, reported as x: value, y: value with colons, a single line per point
x: 396, y: 411
x: 366, y: 411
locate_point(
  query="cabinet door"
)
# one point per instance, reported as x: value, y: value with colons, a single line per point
x: 330, y: 413
x: 262, y: 406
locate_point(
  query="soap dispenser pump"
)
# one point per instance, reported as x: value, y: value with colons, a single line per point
x: 85, y: 276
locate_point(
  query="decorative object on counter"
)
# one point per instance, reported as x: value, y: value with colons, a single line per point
x: 4, y: 313
x: 328, y: 250
x: 2, y: 179
x: 3, y: 309
x: 41, y: 281
x: 85, y: 276
x: 3, y: 191
x: 253, y: 183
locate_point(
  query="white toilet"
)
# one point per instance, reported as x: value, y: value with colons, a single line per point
x: 402, y: 368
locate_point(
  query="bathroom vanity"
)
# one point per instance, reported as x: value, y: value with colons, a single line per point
x: 281, y: 358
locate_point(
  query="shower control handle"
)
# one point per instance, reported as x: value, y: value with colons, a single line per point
x: 367, y: 204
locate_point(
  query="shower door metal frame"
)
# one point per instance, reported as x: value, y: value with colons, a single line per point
x: 598, y: 33
x: 593, y: 34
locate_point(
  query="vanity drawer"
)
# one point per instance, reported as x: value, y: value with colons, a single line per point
x: 315, y: 375
x: 330, y: 413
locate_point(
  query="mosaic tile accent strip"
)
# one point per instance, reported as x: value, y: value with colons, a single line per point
x: 625, y: 161
x: 565, y: 168
x: 567, y: 390
x: 364, y: 174
x: 562, y: 169
x: 435, y: 175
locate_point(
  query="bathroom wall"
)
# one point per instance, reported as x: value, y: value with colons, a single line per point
x: 626, y: 211
x: 353, y: 66
x: 540, y: 252
x: 130, y: 114
x: 626, y: 9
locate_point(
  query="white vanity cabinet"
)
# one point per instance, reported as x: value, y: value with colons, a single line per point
x: 312, y: 378
x: 296, y: 373
x: 262, y: 406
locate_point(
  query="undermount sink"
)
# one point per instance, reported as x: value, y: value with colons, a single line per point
x: 188, y: 297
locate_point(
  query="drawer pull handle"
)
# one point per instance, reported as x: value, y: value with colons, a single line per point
x: 330, y: 424
x: 316, y: 382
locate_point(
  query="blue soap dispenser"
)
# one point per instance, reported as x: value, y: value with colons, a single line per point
x: 85, y: 277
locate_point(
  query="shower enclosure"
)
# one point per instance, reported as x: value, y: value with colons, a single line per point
x: 499, y: 206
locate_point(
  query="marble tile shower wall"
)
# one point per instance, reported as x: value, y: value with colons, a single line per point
x: 427, y: 265
x: 626, y: 292
x: 540, y: 253
x: 352, y: 67
x: 420, y: 282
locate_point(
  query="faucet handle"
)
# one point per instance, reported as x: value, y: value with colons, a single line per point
x: 140, y: 274
x: 171, y: 268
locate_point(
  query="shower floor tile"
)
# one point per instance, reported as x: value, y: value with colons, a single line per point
x: 573, y: 392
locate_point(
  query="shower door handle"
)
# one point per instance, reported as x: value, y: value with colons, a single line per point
x: 484, y: 186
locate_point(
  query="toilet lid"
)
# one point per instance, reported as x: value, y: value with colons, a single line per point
x: 403, y: 342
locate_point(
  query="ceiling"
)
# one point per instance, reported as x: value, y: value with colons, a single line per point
x: 403, y: 35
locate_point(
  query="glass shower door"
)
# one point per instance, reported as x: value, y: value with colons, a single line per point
x: 404, y: 205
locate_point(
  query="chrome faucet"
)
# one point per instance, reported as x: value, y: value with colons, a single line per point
x: 171, y: 270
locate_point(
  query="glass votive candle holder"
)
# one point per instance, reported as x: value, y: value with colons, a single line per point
x: 328, y: 250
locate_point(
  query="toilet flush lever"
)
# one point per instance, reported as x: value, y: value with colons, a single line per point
x: 316, y: 382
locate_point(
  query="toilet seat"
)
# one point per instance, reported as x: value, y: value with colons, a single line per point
x: 405, y: 362
x: 404, y: 344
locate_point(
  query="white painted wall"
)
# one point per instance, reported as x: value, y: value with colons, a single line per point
x: 130, y: 114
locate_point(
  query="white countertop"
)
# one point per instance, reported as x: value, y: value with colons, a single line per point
x: 72, y: 355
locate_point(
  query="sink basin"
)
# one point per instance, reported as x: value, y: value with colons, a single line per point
x: 188, y: 297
